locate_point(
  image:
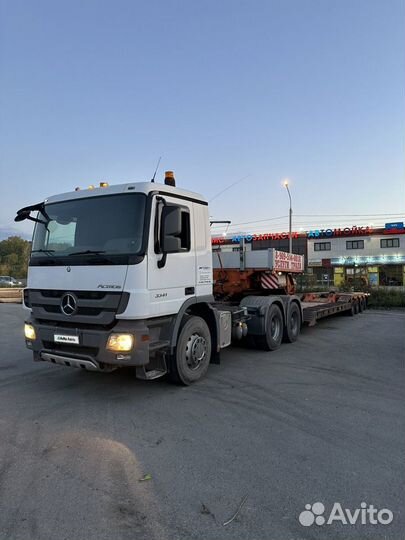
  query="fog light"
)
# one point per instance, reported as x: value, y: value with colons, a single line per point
x: 120, y: 342
x: 29, y: 332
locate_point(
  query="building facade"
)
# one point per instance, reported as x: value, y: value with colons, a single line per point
x: 374, y: 256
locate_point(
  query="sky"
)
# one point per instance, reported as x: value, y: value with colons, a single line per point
x: 234, y: 95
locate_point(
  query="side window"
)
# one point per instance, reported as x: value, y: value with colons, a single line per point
x: 185, y: 230
x: 156, y: 235
x: 185, y: 234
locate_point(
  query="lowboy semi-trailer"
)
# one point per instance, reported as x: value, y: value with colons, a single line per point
x: 124, y: 275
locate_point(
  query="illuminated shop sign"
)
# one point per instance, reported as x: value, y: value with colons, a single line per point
x: 317, y: 233
x: 390, y: 228
x: 346, y: 231
x: 261, y: 236
x: 364, y: 261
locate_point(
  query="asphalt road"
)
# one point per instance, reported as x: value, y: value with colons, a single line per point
x: 321, y: 420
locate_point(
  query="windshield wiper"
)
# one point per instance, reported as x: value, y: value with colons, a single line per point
x: 87, y: 252
x: 47, y: 251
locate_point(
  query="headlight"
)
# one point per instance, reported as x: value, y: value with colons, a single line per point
x: 120, y: 342
x: 29, y: 332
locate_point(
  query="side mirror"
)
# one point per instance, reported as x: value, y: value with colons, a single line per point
x: 22, y: 214
x: 171, y: 229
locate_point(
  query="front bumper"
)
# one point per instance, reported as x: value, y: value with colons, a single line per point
x: 90, y: 353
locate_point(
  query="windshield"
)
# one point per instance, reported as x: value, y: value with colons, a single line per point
x: 98, y: 230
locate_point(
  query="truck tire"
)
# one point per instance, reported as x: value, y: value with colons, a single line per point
x: 192, y: 355
x: 292, y: 328
x: 271, y: 340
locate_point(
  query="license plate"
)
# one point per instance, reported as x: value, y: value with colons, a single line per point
x: 59, y: 338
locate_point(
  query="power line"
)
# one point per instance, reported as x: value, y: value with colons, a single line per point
x: 258, y: 221
x: 368, y: 217
x: 353, y: 215
x: 229, y: 187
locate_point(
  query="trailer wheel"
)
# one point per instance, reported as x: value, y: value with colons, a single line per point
x: 271, y: 340
x: 191, y: 359
x: 293, y: 327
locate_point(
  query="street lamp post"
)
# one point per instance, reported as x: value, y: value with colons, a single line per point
x: 290, y: 221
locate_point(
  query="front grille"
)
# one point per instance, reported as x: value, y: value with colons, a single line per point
x: 92, y: 295
x: 80, y: 311
x: 93, y: 307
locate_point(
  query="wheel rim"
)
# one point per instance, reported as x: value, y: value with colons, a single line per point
x: 196, y: 351
x: 275, y: 328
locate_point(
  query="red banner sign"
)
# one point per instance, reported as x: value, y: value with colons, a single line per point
x: 287, y: 262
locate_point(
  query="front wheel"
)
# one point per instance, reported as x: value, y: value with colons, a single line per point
x: 191, y: 359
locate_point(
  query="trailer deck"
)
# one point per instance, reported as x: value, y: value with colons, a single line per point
x: 316, y: 306
x: 313, y: 312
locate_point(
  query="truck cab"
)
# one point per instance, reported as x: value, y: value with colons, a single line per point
x: 113, y: 262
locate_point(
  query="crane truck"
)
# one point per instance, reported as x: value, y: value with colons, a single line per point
x: 125, y: 275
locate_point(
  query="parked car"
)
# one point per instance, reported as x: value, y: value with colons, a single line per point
x: 8, y: 281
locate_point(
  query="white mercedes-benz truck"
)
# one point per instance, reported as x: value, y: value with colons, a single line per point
x: 123, y: 276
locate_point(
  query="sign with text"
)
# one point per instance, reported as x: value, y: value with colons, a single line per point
x: 345, y: 231
x: 394, y: 228
x: 286, y: 262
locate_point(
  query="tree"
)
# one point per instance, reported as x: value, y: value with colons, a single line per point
x: 14, y: 254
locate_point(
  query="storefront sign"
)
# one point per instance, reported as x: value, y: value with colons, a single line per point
x: 263, y: 236
x: 218, y: 240
x: 364, y: 261
x: 346, y: 231
x: 394, y: 228
x: 390, y: 228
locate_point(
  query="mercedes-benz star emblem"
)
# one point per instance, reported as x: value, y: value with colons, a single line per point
x: 68, y: 304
